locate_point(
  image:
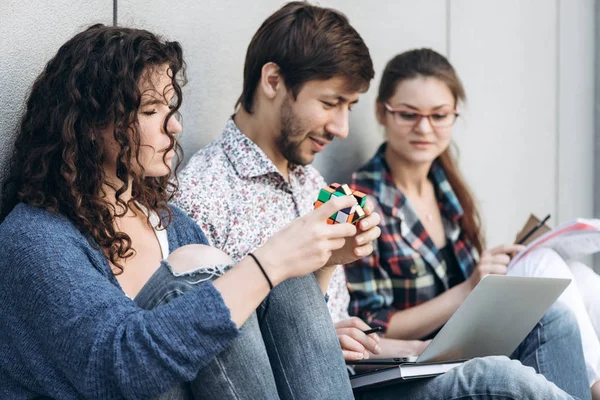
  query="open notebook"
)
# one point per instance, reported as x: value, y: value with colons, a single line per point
x: 571, y: 240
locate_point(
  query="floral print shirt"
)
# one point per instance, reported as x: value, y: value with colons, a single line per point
x: 239, y: 199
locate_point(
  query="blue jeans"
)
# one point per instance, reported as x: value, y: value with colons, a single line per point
x: 288, y: 349
x: 553, y: 349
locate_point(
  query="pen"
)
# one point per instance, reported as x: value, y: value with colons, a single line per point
x: 373, y: 330
x: 535, y: 228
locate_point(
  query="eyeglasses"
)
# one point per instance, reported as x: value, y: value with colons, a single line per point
x: 409, y: 118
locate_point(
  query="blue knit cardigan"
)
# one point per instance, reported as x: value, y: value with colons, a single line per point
x: 68, y: 331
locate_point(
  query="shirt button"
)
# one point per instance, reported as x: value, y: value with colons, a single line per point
x: 413, y: 269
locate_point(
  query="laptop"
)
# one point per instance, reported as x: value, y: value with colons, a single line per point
x: 493, y: 320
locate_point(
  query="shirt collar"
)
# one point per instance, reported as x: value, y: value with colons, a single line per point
x: 248, y: 159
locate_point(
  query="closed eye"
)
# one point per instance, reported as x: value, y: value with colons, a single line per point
x: 438, y: 117
x: 408, y: 116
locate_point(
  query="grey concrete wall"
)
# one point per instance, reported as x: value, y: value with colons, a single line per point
x: 214, y: 35
x: 31, y: 32
x: 526, y: 138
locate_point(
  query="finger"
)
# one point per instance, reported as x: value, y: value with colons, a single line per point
x: 369, y: 207
x: 370, y: 221
x: 336, y: 243
x: 507, y: 249
x: 332, y: 206
x: 368, y: 236
x: 352, y: 322
x: 365, y: 341
x: 503, y: 259
x: 364, y: 250
x: 351, y: 355
x: 349, y: 343
x: 339, y: 231
x: 497, y: 269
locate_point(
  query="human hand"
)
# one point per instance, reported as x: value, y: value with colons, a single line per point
x: 402, y: 348
x: 307, y: 243
x: 493, y: 261
x: 360, y: 245
x: 356, y: 345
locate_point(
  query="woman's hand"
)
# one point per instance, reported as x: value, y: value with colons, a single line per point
x: 493, y: 261
x: 307, y: 243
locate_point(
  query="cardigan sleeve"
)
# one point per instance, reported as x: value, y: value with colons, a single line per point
x: 76, y: 331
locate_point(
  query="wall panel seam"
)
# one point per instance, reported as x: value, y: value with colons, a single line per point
x: 557, y: 113
x: 115, y: 13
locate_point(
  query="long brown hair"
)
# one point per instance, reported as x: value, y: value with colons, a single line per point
x: 307, y: 43
x: 428, y: 63
x: 91, y: 86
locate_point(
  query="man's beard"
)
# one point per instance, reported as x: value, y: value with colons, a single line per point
x: 292, y: 136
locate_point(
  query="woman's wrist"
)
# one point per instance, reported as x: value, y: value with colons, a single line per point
x: 266, y: 262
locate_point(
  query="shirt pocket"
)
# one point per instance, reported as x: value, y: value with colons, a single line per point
x: 401, y: 260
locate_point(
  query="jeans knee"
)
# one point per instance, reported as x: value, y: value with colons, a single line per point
x: 501, y: 376
x: 562, y: 320
x: 560, y: 314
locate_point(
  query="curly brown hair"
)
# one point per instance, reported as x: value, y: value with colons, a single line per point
x: 90, y: 87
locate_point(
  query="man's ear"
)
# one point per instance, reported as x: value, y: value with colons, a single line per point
x: 271, y: 80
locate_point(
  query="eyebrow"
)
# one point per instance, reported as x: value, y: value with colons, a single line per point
x: 152, y: 101
x: 341, y: 99
x: 417, y: 109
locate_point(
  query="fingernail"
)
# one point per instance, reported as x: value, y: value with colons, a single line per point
x: 366, y: 355
x: 358, y: 252
x: 364, y: 225
x: 360, y: 240
x: 377, y: 349
x: 359, y: 356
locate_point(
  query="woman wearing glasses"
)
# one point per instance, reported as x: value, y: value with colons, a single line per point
x: 431, y: 253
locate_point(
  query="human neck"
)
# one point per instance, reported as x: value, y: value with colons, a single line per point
x: 263, y: 129
x: 410, y: 177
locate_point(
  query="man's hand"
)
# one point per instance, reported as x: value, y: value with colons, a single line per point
x: 359, y: 245
x: 355, y: 344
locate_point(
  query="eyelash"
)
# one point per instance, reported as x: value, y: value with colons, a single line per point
x: 149, y: 112
x: 330, y: 106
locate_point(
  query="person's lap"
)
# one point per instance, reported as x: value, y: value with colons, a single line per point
x: 481, y: 378
x: 547, y: 263
x: 287, y: 349
x: 291, y: 350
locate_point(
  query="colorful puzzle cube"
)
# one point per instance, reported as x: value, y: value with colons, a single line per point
x: 352, y: 214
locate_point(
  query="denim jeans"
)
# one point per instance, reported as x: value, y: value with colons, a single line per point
x: 552, y: 349
x: 288, y: 349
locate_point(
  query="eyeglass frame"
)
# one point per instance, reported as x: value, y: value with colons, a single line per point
x: 420, y: 116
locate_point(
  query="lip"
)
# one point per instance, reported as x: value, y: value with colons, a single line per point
x: 319, y: 144
x: 421, y: 144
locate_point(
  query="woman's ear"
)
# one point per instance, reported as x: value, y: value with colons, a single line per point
x: 270, y: 80
x: 380, y: 112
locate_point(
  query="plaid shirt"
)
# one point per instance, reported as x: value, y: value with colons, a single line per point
x: 405, y: 268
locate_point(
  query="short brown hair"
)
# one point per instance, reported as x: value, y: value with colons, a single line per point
x: 307, y: 43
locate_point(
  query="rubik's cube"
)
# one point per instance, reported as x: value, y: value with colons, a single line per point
x: 352, y: 214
